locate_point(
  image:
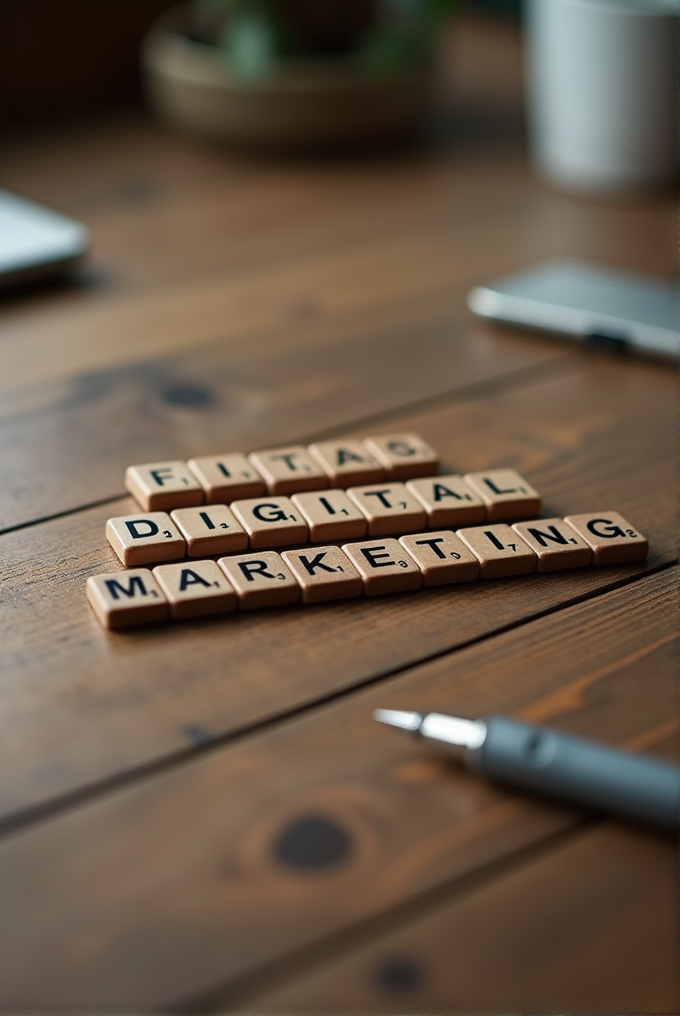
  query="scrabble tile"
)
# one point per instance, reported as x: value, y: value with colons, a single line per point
x: 384, y: 566
x: 289, y: 470
x: 260, y: 580
x: 441, y: 557
x: 324, y: 573
x: 210, y: 529
x: 195, y: 589
x: 555, y: 544
x: 506, y: 494
x: 389, y: 508
x: 145, y: 538
x: 270, y: 521
x: 127, y: 598
x: 404, y: 456
x: 226, y: 478
x: 499, y: 550
x: 612, y: 538
x: 448, y: 501
x: 330, y: 515
x: 160, y: 486
x: 347, y: 463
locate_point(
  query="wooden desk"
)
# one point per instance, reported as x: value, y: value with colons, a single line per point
x: 204, y: 816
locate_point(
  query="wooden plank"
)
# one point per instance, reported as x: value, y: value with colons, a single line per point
x: 251, y: 853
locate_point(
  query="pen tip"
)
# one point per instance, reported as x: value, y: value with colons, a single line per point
x: 398, y: 718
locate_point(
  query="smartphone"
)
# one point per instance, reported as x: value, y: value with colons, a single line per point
x: 36, y: 242
x: 586, y: 302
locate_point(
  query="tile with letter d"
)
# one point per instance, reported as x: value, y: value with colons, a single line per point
x: 226, y: 478
x: 347, y: 463
x: 324, y: 573
x: 556, y: 545
x: 448, y: 501
x: 330, y: 515
x: 384, y: 566
x: 145, y: 538
x: 506, y: 494
x: 442, y: 557
x: 270, y: 521
x: 404, y: 456
x: 289, y: 470
x: 389, y: 508
x: 612, y: 539
x: 210, y: 529
x: 128, y: 598
x: 499, y: 550
x: 195, y: 589
x: 260, y: 580
x: 160, y: 486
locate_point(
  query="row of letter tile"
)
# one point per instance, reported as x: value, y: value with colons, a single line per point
x: 314, y: 575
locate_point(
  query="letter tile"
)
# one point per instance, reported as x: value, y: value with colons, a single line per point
x: 260, y: 580
x: 612, y: 538
x: 127, y: 598
x: 210, y: 529
x: 270, y: 521
x: 555, y: 544
x: 384, y: 566
x: 448, y: 501
x: 441, y: 557
x: 195, y: 589
x: 324, y: 573
x: 160, y: 486
x: 499, y: 550
x: 347, y: 463
x: 226, y: 478
x: 404, y: 456
x: 289, y: 470
x: 389, y: 508
x: 330, y: 515
x: 506, y: 494
x: 145, y: 539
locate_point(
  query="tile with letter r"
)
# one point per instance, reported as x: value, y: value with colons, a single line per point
x: 506, y: 494
x: 448, y: 501
x: 127, y: 598
x: 389, y: 508
x: 556, y: 545
x: 330, y: 515
x: 161, y: 486
x: 146, y: 538
x: 499, y: 550
x: 384, y: 566
x: 227, y: 478
x: 324, y: 573
x: 442, y: 557
x: 404, y: 456
x: 260, y: 580
x: 347, y: 463
x: 195, y: 589
x: 210, y: 529
x: 270, y: 521
x: 612, y: 539
x: 289, y: 470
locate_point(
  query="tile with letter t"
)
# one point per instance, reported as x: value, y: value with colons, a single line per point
x: 226, y: 478
x: 160, y: 486
x: 448, y: 501
x: 389, y: 508
x: 612, y: 539
x: 330, y: 515
x: 145, y: 538
x: 442, y: 558
x: 128, y: 598
x: 506, y: 494
x: 384, y: 566
x: 499, y: 550
x: 260, y: 580
x: 195, y: 589
x: 324, y: 573
x: 556, y: 545
x: 289, y: 470
x: 270, y: 521
x: 404, y: 456
x: 347, y: 463
x: 210, y: 529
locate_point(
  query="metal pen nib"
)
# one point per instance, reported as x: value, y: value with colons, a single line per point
x: 458, y: 734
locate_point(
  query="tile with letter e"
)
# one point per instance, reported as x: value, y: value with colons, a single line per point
x: 404, y: 456
x: 384, y: 566
x: 210, y: 529
x: 330, y: 515
x: 612, y: 539
x: 442, y: 557
x: 161, y: 486
x: 448, y: 501
x: 128, y: 598
x: 260, y: 580
x: 270, y: 521
x: 195, y: 589
x: 289, y: 470
x: 499, y: 550
x: 227, y: 478
x: 324, y: 573
x: 555, y: 544
x: 145, y: 538
x: 389, y: 508
x: 347, y: 463
x: 506, y: 494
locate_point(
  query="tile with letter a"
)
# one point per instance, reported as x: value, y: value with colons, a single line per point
x: 289, y: 470
x: 384, y: 566
x: 330, y: 515
x: 499, y: 550
x: 448, y: 501
x: 270, y: 521
x: 227, y: 478
x: 612, y: 539
x: 506, y: 494
x: 555, y: 544
x: 210, y: 529
x: 260, y: 580
x: 127, y: 598
x: 347, y: 463
x: 404, y: 456
x: 441, y: 557
x: 195, y: 589
x: 145, y: 538
x: 389, y: 508
x: 324, y: 573
x: 161, y: 486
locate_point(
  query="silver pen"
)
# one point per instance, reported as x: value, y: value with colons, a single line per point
x: 548, y: 762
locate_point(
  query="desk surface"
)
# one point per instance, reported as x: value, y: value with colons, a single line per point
x: 204, y: 816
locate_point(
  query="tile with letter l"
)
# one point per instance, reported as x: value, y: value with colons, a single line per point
x: 404, y: 456
x: 127, y: 598
x: 612, y: 539
x: 448, y: 501
x: 289, y: 470
x: 347, y: 463
x: 499, y: 550
x: 506, y: 494
x: 270, y: 521
x: 384, y: 566
x: 324, y: 573
x: 227, y: 478
x: 195, y: 589
x: 210, y: 529
x: 330, y: 515
x: 442, y: 557
x: 389, y: 508
x: 260, y: 580
x: 146, y: 538
x: 161, y: 486
x: 556, y: 545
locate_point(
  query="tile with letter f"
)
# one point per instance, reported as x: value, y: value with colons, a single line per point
x: 125, y: 599
x: 161, y: 486
x: 324, y: 573
x: 499, y: 550
x: 145, y: 538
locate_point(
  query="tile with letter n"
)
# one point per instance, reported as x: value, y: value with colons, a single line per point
x: 384, y: 566
x: 555, y: 543
x: 210, y: 529
x: 499, y: 550
x: 146, y: 538
x: 161, y: 486
x: 125, y: 599
x: 404, y: 456
x: 324, y: 573
x: 506, y: 494
x: 226, y: 478
x: 389, y: 508
x: 261, y: 580
x: 289, y: 470
x: 442, y: 557
x: 330, y: 515
x: 612, y: 539
x: 270, y: 521
x: 448, y: 501
x: 347, y: 463
x: 195, y: 589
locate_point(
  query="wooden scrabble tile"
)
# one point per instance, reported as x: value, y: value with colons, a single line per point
x: 145, y: 538
x: 404, y: 456
x: 347, y: 463
x: 324, y: 573
x: 195, y: 589
x: 160, y: 486
x: 389, y: 508
x: 270, y: 521
x: 384, y: 566
x: 210, y: 529
x: 555, y: 544
x: 499, y: 550
x: 127, y: 598
x: 289, y: 470
x: 226, y: 478
x: 612, y: 538
x: 448, y: 501
x: 506, y: 494
x: 441, y: 557
x: 260, y: 580
x: 330, y: 515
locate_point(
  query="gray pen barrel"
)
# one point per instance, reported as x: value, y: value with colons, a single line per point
x: 580, y: 771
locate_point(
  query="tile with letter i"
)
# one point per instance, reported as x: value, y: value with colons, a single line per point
x: 612, y: 539
x: 389, y: 508
x: 260, y: 580
x: 125, y: 599
x: 330, y: 515
x: 384, y: 566
x: 556, y: 545
x: 448, y: 501
x: 347, y: 463
x: 442, y: 558
x: 160, y: 486
x: 210, y: 529
x: 506, y: 494
x: 324, y: 573
x: 227, y: 478
x: 270, y: 521
x: 195, y: 589
x: 145, y: 538
x: 404, y: 456
x: 499, y: 550
x: 289, y: 470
